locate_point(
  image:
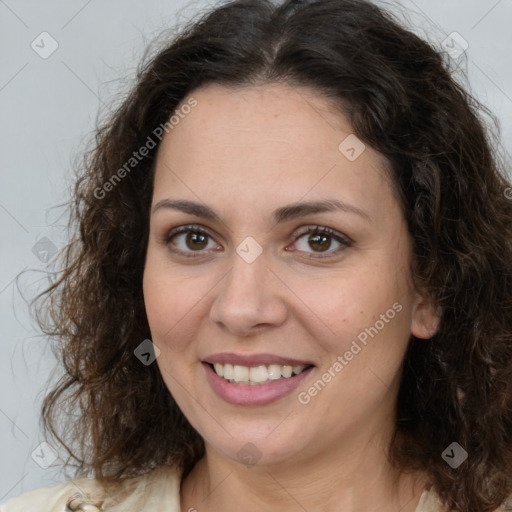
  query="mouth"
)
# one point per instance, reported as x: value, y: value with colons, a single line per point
x: 256, y: 375
x: 254, y: 380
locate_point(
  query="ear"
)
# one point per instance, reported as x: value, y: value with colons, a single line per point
x: 425, y: 318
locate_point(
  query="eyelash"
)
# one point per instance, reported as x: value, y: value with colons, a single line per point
x: 317, y: 230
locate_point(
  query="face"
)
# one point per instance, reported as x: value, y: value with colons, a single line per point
x: 279, y: 257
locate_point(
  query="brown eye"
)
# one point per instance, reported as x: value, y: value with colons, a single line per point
x: 196, y: 241
x: 320, y: 240
x: 188, y: 240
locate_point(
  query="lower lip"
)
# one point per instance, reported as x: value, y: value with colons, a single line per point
x: 260, y: 394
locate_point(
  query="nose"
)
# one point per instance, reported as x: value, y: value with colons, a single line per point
x: 249, y: 298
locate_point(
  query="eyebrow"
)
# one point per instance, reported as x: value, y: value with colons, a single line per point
x: 279, y: 216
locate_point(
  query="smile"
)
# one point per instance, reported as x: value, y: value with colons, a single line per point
x: 256, y: 375
x: 254, y: 380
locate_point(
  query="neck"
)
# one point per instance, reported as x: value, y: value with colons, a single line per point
x: 363, y: 482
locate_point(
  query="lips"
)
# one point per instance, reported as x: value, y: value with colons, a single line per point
x: 238, y: 388
x: 254, y: 360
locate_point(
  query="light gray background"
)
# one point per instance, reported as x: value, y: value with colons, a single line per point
x: 48, y: 109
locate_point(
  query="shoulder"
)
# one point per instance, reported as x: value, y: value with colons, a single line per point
x: 49, y: 499
x: 161, y: 485
x: 430, y: 502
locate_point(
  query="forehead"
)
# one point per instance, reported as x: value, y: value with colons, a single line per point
x: 271, y: 143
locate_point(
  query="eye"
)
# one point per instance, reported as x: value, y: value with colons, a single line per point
x: 321, y: 240
x: 189, y: 240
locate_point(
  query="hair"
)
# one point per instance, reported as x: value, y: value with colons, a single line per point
x: 401, y: 99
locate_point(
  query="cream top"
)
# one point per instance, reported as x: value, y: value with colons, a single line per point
x: 157, y: 491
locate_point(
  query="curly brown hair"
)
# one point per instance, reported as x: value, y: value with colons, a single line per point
x: 401, y: 98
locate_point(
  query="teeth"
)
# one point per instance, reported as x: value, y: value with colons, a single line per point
x: 298, y: 369
x: 258, y: 374
x: 227, y: 372
x: 286, y: 371
x: 219, y: 368
x: 274, y: 371
x: 240, y: 373
x: 254, y: 375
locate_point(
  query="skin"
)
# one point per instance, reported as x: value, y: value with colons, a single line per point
x: 244, y: 153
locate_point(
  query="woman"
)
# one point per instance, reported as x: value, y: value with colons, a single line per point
x: 290, y: 288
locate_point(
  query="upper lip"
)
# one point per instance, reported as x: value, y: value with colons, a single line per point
x: 253, y: 359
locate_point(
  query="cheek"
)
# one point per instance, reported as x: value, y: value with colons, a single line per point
x: 350, y: 303
x: 158, y: 301
x: 166, y: 311
x: 176, y: 301
x: 168, y: 300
